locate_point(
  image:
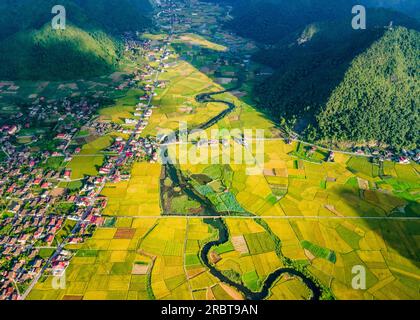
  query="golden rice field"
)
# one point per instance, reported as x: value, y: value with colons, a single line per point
x: 140, y: 196
x: 84, y: 166
x: 177, y: 101
x: 197, y: 40
x: 289, y: 288
x: 124, y: 108
x: 391, y: 267
x: 320, y: 212
x: 102, y: 267
x: 348, y: 187
x: 90, y: 159
x: 244, y: 117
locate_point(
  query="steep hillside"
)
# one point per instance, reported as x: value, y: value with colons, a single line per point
x: 310, y: 63
x: 117, y: 15
x: 112, y: 16
x: 31, y: 50
x: 267, y: 21
x: 378, y: 100
x: 57, y: 55
x: 410, y: 7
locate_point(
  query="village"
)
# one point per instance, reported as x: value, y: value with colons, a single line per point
x: 40, y: 212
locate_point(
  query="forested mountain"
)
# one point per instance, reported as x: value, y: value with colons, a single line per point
x: 311, y: 62
x: 48, y: 54
x: 379, y: 98
x: 30, y: 49
x: 112, y: 16
x: 331, y: 82
x: 267, y: 21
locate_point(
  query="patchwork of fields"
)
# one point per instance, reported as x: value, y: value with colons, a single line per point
x: 177, y: 102
x: 321, y: 217
x: 139, y: 259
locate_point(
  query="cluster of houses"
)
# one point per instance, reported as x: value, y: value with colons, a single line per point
x: 138, y: 149
x: 144, y: 109
x: 66, y: 113
x: 22, y: 178
x: 34, y: 222
x: 143, y: 113
x: 36, y: 210
x: 20, y: 239
x: 101, y: 128
x: 134, y: 44
x: 78, y: 110
x: 34, y: 207
x: 402, y: 157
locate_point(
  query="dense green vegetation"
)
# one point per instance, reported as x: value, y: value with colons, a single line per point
x: 112, y: 16
x: 267, y: 21
x: 310, y: 63
x: 57, y: 54
x: 118, y: 16
x: 378, y: 100
x: 30, y: 49
x: 410, y: 7
x: 325, y: 76
x: 307, y: 73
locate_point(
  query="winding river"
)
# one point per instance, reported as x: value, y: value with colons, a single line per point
x: 218, y: 224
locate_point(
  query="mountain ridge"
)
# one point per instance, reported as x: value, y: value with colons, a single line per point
x: 31, y: 50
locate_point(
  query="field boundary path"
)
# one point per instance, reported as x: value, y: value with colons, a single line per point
x: 226, y: 216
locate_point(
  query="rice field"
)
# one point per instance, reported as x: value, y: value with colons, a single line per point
x: 197, y: 40
x: 124, y: 108
x: 90, y: 159
x: 177, y: 102
x: 250, y: 253
x: 140, y: 196
x: 132, y: 258
x: 103, y: 267
x: 355, y: 243
x: 348, y: 187
x: 85, y: 166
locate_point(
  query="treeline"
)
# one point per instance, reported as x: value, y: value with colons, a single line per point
x: 111, y: 16
x: 267, y: 21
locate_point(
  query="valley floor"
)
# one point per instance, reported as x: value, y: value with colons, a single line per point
x: 300, y: 209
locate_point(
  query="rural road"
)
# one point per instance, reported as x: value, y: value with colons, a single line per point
x: 269, y: 217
